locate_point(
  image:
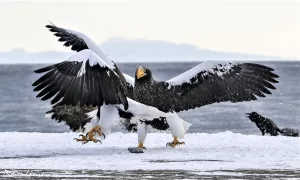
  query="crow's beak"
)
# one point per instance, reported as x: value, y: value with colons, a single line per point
x: 247, y: 114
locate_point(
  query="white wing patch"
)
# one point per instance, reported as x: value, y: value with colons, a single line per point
x: 93, y: 46
x: 87, y: 55
x: 82, y: 69
x: 219, y: 68
x: 129, y: 79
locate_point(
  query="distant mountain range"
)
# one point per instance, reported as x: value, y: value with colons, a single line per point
x: 137, y: 50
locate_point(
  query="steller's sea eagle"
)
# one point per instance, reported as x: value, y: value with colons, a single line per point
x: 207, y: 83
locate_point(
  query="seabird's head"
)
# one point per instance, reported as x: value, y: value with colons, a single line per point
x: 254, y: 116
x: 142, y: 73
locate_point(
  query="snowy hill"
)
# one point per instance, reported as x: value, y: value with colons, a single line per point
x: 136, y: 50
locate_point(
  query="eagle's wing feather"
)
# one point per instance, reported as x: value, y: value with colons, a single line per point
x: 78, y: 41
x: 211, y: 82
x: 84, y: 79
x: 69, y: 38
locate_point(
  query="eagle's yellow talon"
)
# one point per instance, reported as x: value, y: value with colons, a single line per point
x: 174, y: 143
x: 91, y: 133
x: 83, y: 139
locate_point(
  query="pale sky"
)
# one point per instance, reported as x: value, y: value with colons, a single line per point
x: 268, y: 27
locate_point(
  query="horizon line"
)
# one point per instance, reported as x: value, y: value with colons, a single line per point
x: 165, y: 62
x: 68, y: 49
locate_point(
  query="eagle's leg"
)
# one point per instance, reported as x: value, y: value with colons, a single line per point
x: 91, y: 133
x: 142, y: 131
x: 175, y: 142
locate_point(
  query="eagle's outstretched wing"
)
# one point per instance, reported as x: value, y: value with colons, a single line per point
x: 79, y: 41
x: 70, y: 38
x: 84, y: 79
x: 211, y: 82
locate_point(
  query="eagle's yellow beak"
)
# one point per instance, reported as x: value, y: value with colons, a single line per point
x: 140, y: 72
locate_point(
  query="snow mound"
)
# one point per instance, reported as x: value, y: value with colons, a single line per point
x: 201, y: 152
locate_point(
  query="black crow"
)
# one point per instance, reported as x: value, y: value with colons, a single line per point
x: 266, y: 125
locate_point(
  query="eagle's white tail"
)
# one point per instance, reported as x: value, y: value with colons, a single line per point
x: 186, y: 125
x: 178, y: 126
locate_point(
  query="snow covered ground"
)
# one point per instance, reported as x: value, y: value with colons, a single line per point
x: 202, y: 153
